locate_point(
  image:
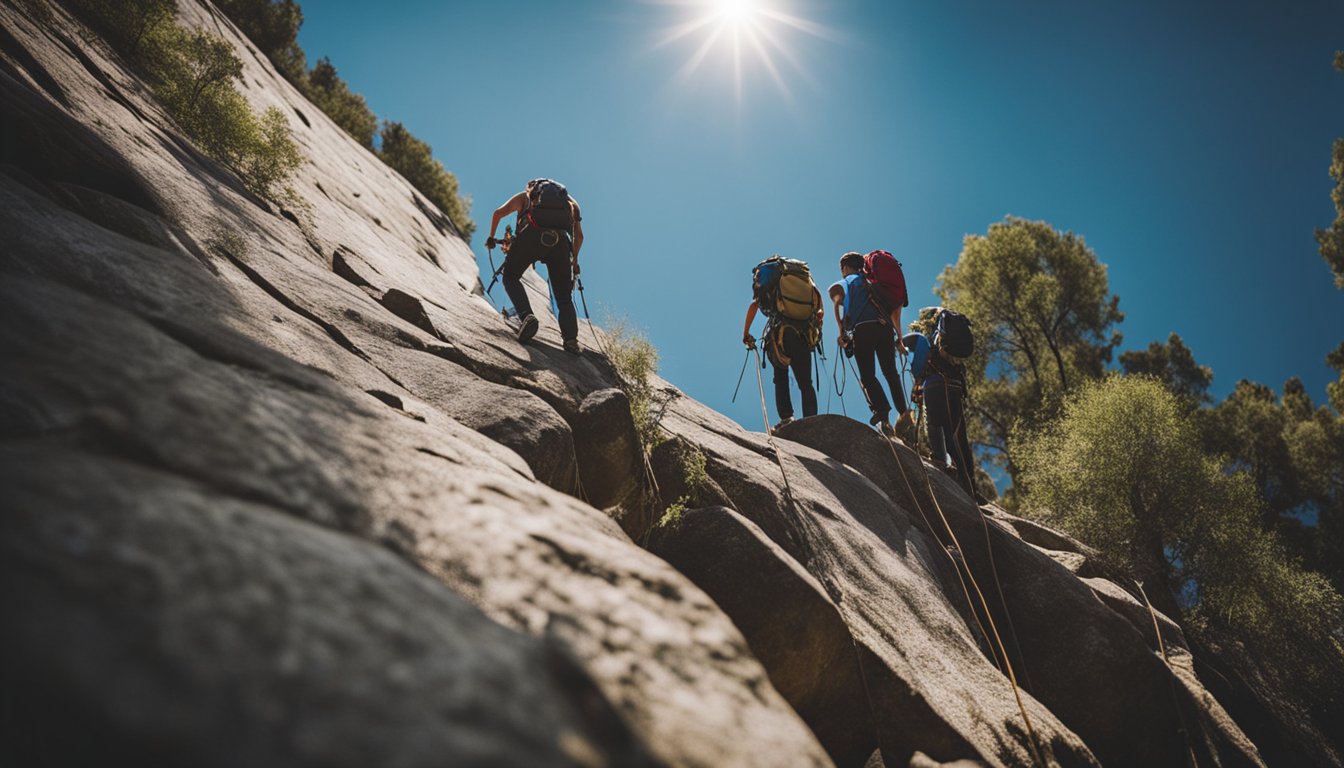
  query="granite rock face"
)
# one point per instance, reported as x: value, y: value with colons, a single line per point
x: 282, y: 488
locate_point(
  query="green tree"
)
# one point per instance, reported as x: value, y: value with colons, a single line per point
x: 1123, y: 470
x: 1174, y: 365
x: 347, y: 109
x: 1043, y: 316
x: 414, y: 159
x: 127, y: 25
x: 1331, y: 240
x: 272, y: 26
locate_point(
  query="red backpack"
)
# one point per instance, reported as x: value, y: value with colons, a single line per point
x: 886, y: 281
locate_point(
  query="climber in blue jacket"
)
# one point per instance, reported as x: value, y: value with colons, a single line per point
x: 940, y: 388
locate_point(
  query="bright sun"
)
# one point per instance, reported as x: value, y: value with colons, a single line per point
x: 737, y: 12
x: 732, y: 27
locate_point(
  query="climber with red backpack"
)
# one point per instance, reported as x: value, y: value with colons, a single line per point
x: 886, y: 281
x: 938, y: 365
x: 865, y: 333
x: 783, y: 291
x: 549, y: 231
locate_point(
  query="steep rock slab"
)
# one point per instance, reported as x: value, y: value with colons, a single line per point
x: 355, y: 206
x: 666, y: 659
x: 149, y: 620
x: 1065, y: 643
x: 789, y: 622
x: 930, y: 687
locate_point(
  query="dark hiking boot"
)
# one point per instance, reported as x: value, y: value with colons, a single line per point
x: 572, y: 346
x: 528, y: 329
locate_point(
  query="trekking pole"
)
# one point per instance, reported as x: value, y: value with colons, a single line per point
x: 497, y: 271
x: 745, y: 360
x: 578, y: 283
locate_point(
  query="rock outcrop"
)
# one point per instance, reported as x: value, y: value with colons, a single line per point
x: 283, y: 489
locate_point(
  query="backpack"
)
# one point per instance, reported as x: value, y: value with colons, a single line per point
x: 785, y: 294
x: 548, y: 205
x: 886, y: 282
x: 952, y: 335
x: 783, y: 289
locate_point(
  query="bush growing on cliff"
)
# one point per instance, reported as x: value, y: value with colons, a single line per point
x: 193, y: 74
x: 273, y: 26
x: 635, y: 360
x: 333, y: 96
x: 414, y: 159
x: 1123, y: 470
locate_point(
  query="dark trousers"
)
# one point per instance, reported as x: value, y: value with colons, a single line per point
x: 947, y: 427
x: 526, y: 250
x: 875, y: 340
x: 801, y: 363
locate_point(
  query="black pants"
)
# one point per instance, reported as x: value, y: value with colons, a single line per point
x: 947, y: 427
x: 796, y: 348
x: 875, y: 340
x: 526, y: 250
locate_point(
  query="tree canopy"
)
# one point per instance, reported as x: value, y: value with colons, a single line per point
x: 1044, y: 320
x: 1123, y: 469
x: 1331, y: 240
x: 1173, y: 364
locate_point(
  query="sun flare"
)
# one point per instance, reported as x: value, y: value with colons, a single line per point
x: 737, y: 34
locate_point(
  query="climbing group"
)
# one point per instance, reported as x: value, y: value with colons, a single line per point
x: 868, y: 299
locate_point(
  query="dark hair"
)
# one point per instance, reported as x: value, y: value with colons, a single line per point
x: 852, y: 260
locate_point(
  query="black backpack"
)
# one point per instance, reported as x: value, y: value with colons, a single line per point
x: 952, y: 336
x: 548, y: 205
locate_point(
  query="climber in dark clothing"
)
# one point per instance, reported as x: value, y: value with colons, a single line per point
x: 863, y: 332
x: 799, y: 354
x: 941, y: 386
x: 549, y: 231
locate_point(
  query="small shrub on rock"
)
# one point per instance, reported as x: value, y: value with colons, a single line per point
x: 193, y: 74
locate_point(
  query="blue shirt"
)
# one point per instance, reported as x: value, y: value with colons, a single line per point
x: 859, y: 307
x: 919, y: 348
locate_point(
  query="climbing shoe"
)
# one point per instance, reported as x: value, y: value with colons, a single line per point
x: 572, y: 346
x: 528, y: 329
x: 784, y: 422
x: 886, y: 429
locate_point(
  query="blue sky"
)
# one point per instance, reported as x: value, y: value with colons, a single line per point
x: 1188, y: 143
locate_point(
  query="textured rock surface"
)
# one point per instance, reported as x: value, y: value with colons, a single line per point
x: 1067, y: 638
x: 191, y: 331
x: 790, y: 623
x: 283, y: 489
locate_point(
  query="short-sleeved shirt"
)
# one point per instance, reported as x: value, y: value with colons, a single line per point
x: 919, y: 348
x: 859, y: 306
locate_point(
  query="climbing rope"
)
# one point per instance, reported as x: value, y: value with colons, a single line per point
x: 998, y: 647
x: 805, y: 545
x: 984, y: 525
x: 1175, y: 700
